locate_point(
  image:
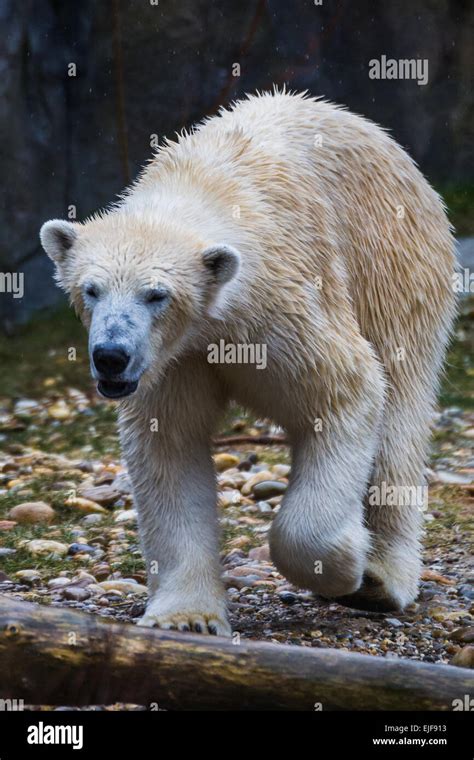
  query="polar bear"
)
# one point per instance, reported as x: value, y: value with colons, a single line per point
x: 288, y: 222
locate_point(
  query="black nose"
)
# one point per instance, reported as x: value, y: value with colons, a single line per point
x: 110, y: 359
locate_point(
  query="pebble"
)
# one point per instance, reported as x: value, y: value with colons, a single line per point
x: 264, y: 507
x: 282, y: 470
x: 56, y: 583
x: 59, y: 411
x: 252, y: 481
x: 464, y: 635
x: 246, y: 570
x: 84, y: 505
x: 76, y: 593
x: 394, y: 622
x: 104, y: 495
x: 260, y: 553
x: 288, y: 597
x: 244, y: 581
x: 28, y: 576
x: 124, y: 587
x: 93, y: 519
x: 7, y: 525
x: 41, y: 546
x: 81, y: 549
x: 32, y: 512
x: 126, y: 516
x: 269, y: 488
x: 225, y: 461
x: 123, y: 483
x: 5, y: 551
x: 229, y: 498
x: 466, y: 591
x: 451, y: 478
x: 464, y: 658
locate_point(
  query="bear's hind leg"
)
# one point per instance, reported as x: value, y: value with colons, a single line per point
x: 394, y: 505
x: 318, y: 539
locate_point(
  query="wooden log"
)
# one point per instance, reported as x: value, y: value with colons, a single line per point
x: 58, y: 656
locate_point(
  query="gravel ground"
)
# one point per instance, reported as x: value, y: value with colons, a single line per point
x: 68, y: 538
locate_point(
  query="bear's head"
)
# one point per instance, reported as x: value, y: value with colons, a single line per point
x: 143, y: 291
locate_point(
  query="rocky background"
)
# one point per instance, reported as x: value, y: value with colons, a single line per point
x: 151, y: 67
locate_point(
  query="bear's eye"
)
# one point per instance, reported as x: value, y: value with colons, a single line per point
x: 157, y: 296
x: 91, y: 291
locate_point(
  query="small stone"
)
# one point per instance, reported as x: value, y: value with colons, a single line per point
x: 59, y: 411
x: 264, y: 507
x: 104, y: 495
x: 260, y: 553
x: 93, y: 519
x: 7, y: 525
x: 126, y: 516
x: 229, y: 498
x: 257, y: 477
x: 239, y: 582
x: 123, y: 483
x: 287, y: 597
x: 76, y: 593
x: 28, y: 576
x: 454, y: 478
x: 245, y: 465
x: 124, y: 587
x: 464, y: 658
x: 234, y: 544
x: 467, y: 591
x: 225, y: 461
x: 41, y: 546
x: 464, y: 635
x: 282, y: 470
x: 269, y: 488
x: 244, y: 570
x: 57, y: 583
x: 84, y: 505
x: 81, y: 549
x: 5, y: 551
x: 101, y: 571
x: 32, y: 512
x: 394, y: 622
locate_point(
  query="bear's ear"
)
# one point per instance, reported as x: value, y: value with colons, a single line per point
x: 222, y: 261
x: 57, y: 237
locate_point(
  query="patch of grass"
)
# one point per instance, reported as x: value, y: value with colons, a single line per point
x: 42, y: 350
x: 460, y: 202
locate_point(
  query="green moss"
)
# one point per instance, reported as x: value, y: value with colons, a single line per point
x: 460, y: 202
x: 41, y: 350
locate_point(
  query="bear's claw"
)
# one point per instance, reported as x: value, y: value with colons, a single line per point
x: 189, y: 621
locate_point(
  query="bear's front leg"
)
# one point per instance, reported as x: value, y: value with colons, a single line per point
x: 166, y: 439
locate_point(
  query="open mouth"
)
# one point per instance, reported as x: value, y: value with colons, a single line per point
x: 116, y: 389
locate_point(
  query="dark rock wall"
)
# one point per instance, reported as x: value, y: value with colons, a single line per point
x: 148, y: 69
